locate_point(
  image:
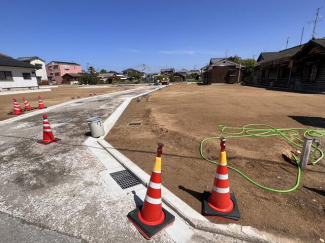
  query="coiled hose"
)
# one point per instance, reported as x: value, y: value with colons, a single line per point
x: 264, y: 130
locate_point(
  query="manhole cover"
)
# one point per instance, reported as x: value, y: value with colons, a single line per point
x: 135, y: 124
x: 62, y: 121
x: 124, y: 179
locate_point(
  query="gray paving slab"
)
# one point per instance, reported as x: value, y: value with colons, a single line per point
x: 58, y: 186
x: 13, y: 230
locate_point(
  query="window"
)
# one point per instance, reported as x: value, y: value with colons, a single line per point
x: 232, y: 73
x: 57, y: 74
x: 27, y: 76
x: 313, y: 73
x: 283, y: 72
x: 265, y: 73
x: 66, y: 67
x: 5, y: 76
x: 56, y: 67
x: 50, y: 67
x: 51, y: 74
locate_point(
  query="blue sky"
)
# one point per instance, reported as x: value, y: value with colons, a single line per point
x: 116, y: 35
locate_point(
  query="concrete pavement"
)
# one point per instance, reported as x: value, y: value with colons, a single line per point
x: 58, y: 187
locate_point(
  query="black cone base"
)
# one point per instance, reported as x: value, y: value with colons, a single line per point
x: 46, y: 143
x: 208, y: 211
x: 149, y: 231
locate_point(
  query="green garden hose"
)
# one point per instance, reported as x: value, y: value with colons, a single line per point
x: 289, y: 134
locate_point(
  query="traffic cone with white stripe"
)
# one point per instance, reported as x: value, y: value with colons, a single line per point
x: 48, y: 136
x: 40, y: 103
x: 152, y: 218
x: 27, y: 105
x: 220, y: 203
x: 17, y: 108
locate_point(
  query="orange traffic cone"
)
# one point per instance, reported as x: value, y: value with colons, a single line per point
x: 220, y: 202
x: 48, y: 136
x: 40, y: 103
x: 27, y: 105
x: 17, y: 108
x: 152, y: 218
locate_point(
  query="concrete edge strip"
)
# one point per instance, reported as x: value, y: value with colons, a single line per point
x: 36, y: 112
x: 186, y: 212
x: 195, y: 219
x: 24, y: 91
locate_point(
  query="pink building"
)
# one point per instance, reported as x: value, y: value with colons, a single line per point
x: 55, y: 70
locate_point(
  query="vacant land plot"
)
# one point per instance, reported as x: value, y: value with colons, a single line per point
x: 181, y: 116
x: 54, y: 97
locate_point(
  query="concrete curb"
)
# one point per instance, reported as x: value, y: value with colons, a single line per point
x: 36, y: 112
x: 193, y: 218
x: 24, y: 91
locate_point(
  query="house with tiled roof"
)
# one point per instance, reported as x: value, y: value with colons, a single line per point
x: 56, y: 69
x: 41, y: 74
x: 17, y: 74
x: 300, y: 67
x: 222, y: 70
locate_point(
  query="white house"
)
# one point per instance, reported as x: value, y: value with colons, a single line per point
x: 41, y: 74
x: 16, y: 74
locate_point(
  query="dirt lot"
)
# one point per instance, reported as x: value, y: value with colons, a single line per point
x: 181, y: 116
x: 56, y: 96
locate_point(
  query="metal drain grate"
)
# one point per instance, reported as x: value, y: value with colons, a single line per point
x: 124, y: 179
x: 135, y: 124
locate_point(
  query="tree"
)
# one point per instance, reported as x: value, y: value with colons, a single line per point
x: 248, y: 71
x: 161, y: 77
x: 103, y: 71
x: 91, y: 70
x: 235, y: 58
x: 134, y: 74
x: 194, y: 76
x: 88, y: 79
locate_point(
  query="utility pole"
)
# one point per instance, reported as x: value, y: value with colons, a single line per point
x: 226, y: 53
x: 87, y: 66
x: 287, y: 42
x: 302, y: 34
x: 315, y: 22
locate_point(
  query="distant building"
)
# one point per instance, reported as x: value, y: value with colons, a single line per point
x: 129, y: 70
x: 167, y: 71
x: 107, y: 77
x: 221, y: 70
x: 17, y: 74
x: 41, y: 74
x: 300, y: 68
x: 194, y: 72
x: 180, y: 77
x: 55, y: 70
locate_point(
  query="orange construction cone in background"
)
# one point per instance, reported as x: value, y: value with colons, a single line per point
x: 17, y: 108
x: 48, y: 136
x: 27, y: 105
x: 152, y: 218
x: 40, y: 103
x: 220, y: 203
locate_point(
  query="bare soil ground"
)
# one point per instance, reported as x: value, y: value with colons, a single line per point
x: 56, y: 96
x: 181, y: 116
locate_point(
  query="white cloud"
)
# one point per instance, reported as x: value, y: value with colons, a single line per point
x: 190, y: 52
x: 130, y: 50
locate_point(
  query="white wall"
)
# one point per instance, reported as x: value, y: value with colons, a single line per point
x: 40, y: 72
x: 18, y: 80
